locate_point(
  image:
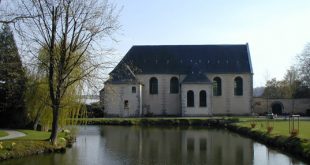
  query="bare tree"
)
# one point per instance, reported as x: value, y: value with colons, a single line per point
x: 70, y: 31
x: 304, y: 65
x: 291, y: 79
x: 9, y: 14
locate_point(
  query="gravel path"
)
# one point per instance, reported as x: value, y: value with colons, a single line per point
x: 12, y: 134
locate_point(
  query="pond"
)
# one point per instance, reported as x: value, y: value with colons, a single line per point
x: 114, y: 145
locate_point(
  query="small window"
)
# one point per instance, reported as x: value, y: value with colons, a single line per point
x: 174, y: 85
x: 238, y: 86
x: 217, y: 86
x: 190, y: 99
x: 203, y: 98
x: 133, y: 89
x: 153, y: 85
x: 126, y: 104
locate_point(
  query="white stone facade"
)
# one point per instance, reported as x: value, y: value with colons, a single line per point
x: 164, y: 103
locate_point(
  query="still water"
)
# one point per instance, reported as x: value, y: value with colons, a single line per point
x: 114, y: 145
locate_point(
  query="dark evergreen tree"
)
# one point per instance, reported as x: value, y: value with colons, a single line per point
x: 12, y: 82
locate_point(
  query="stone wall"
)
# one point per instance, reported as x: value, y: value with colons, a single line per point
x: 115, y: 96
x: 262, y: 105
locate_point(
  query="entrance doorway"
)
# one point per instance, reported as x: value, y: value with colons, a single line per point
x: 277, y: 108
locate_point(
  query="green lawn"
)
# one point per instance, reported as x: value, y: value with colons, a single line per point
x: 3, y: 133
x: 37, y: 135
x: 280, y: 127
x: 34, y: 135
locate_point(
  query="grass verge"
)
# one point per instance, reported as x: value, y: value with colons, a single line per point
x: 167, y: 121
x: 35, y: 142
x: 3, y: 133
x: 280, y: 127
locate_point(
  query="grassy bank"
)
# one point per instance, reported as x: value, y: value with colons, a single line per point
x: 3, y: 133
x: 35, y: 142
x: 280, y: 127
x: 173, y: 121
x: 279, y: 137
x: 293, y: 145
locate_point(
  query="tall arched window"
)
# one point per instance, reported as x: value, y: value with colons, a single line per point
x: 174, y: 85
x: 238, y: 86
x: 153, y: 85
x: 202, y: 98
x: 190, y: 98
x: 217, y: 86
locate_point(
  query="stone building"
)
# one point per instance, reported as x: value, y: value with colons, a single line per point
x: 181, y: 80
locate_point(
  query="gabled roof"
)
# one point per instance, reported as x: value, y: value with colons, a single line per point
x: 196, y: 76
x: 180, y: 59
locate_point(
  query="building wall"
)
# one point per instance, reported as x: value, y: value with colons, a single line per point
x: 196, y: 110
x: 228, y: 103
x: 260, y: 105
x: 115, y: 96
x: 165, y: 103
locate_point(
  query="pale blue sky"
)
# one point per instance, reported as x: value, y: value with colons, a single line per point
x: 275, y: 30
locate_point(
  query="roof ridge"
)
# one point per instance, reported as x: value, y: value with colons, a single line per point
x: 151, y: 45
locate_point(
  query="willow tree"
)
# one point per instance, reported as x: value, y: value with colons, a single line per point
x: 37, y: 99
x: 78, y: 28
x: 38, y: 103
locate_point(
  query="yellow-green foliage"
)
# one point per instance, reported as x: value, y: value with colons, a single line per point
x: 39, y: 104
x: 38, y: 98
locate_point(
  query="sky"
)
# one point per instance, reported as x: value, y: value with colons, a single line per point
x: 276, y: 30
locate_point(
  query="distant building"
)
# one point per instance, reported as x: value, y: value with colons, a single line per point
x: 181, y: 80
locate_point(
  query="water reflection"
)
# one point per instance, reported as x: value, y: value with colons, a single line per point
x: 178, y: 146
x: 137, y: 145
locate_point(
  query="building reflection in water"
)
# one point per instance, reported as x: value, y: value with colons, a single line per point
x: 114, y: 145
x: 177, y: 146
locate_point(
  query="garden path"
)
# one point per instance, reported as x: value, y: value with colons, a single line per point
x: 12, y: 134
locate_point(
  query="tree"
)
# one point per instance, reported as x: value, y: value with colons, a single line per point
x: 74, y: 26
x: 9, y: 15
x: 304, y: 65
x: 12, y: 82
x: 38, y: 101
x: 291, y: 82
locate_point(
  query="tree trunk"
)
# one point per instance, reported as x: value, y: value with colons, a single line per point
x: 35, y: 124
x: 54, y: 132
x: 37, y: 119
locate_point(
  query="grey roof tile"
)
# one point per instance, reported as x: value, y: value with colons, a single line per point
x: 181, y: 59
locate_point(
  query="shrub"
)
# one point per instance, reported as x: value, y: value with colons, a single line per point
x: 294, y: 132
x: 269, y: 129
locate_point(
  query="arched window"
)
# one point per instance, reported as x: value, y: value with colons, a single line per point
x: 238, y: 86
x: 202, y: 98
x: 217, y: 86
x: 153, y: 85
x: 190, y: 99
x: 174, y: 85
